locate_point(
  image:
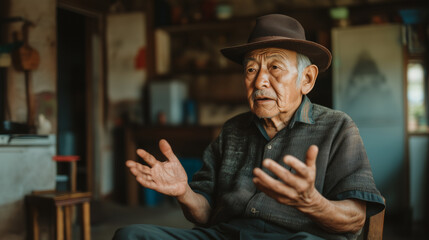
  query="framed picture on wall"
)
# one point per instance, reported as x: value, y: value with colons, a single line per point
x: 368, y: 73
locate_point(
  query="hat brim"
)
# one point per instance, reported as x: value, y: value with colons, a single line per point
x: 318, y: 54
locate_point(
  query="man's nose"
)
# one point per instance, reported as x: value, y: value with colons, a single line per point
x: 262, y: 80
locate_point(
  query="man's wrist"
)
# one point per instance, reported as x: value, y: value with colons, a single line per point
x: 182, y: 198
x: 316, y: 205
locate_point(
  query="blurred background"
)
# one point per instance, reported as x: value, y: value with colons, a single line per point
x: 100, y: 78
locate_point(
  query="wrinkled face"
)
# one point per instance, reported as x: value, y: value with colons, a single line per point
x: 271, y: 78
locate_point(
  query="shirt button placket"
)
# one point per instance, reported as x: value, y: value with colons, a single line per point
x: 254, y: 211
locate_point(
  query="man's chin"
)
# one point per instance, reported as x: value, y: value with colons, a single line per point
x: 261, y: 112
x: 265, y: 115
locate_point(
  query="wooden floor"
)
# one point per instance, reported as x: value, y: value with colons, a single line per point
x: 106, y: 217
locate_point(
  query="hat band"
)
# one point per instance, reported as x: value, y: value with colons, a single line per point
x: 269, y: 38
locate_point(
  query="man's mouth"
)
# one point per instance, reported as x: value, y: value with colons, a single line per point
x: 263, y: 96
x: 263, y: 99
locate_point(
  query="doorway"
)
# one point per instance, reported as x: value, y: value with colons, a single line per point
x: 72, y: 91
x: 80, y: 91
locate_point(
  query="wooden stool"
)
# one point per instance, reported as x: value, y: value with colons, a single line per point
x: 59, y: 206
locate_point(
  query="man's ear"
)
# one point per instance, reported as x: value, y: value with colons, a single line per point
x: 308, y: 80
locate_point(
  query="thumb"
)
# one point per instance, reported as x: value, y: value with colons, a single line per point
x: 165, y: 148
x: 312, y: 152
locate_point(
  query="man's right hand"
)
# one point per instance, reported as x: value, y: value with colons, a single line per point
x: 170, y: 178
x: 167, y: 177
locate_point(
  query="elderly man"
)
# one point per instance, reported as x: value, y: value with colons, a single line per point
x: 289, y: 169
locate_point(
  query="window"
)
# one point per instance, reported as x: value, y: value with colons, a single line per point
x: 416, y: 95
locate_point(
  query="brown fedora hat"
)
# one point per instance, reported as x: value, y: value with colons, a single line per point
x: 280, y: 31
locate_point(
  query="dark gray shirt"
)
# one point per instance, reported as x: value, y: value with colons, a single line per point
x: 342, y: 167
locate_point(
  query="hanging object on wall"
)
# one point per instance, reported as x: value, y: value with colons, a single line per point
x: 27, y: 59
x: 140, y: 59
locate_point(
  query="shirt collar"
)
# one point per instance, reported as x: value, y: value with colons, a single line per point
x: 303, y: 114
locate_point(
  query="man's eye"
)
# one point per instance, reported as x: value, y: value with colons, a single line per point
x: 251, y: 70
x: 275, y: 67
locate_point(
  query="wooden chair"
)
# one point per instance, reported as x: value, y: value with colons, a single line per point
x: 373, y: 229
x: 59, y: 207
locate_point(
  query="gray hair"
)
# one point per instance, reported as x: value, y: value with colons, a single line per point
x: 302, y: 62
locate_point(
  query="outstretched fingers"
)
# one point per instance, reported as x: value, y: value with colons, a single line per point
x: 165, y: 148
x: 137, y: 169
x: 311, y: 156
x: 264, y: 182
x: 282, y: 173
x: 147, y: 157
x: 306, y: 169
x: 146, y: 181
x: 141, y: 172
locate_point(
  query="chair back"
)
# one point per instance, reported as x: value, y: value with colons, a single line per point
x: 373, y: 229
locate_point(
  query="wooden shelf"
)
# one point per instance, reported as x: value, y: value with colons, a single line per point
x: 219, y: 25
x: 195, y: 72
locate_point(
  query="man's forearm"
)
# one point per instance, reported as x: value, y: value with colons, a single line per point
x: 338, y: 216
x: 195, y: 207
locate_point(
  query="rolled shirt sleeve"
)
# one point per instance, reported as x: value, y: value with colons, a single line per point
x: 349, y: 173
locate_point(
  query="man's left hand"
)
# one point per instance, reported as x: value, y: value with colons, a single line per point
x: 297, y: 189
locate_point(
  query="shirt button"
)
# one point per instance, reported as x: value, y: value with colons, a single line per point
x: 269, y: 147
x: 253, y: 210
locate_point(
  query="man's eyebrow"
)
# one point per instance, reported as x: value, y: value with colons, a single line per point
x: 281, y: 56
